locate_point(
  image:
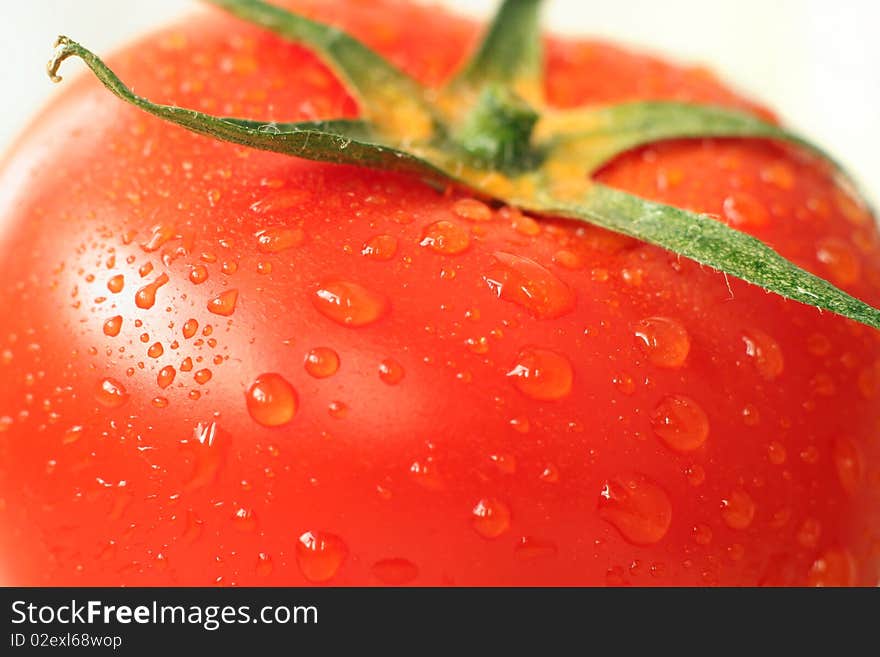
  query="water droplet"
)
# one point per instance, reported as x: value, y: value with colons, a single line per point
x: 391, y: 372
x: 264, y: 565
x: 224, y: 303
x: 638, y: 508
x: 279, y: 238
x: 244, y: 520
x: 111, y: 393
x: 506, y: 463
x: 202, y: 376
x: 144, y: 269
x: 835, y: 567
x: 840, y: 259
x: 189, y: 328
x: 530, y: 285
x: 520, y: 424
x: 478, y: 345
x: 776, y: 453
x: 445, y: 237
x: 395, y: 572
x: 73, y: 434
x: 848, y: 463
x: 472, y: 210
x: 160, y: 234
x: 569, y: 260
x: 155, y: 350
x: 198, y: 274
x: 271, y: 400
x: 112, y: 326
x: 522, y: 224
x: 322, y: 362
x: 426, y: 475
x: 778, y: 174
x: 319, y: 555
x: 738, y: 509
x: 491, y: 518
x: 146, y: 296
x: 809, y: 532
x: 116, y: 283
x: 542, y: 374
x: 166, y: 376
x: 550, y: 474
x: 380, y: 247
x: 665, y: 341
x: 702, y: 534
x: 529, y: 548
x: 349, y: 304
x: 337, y: 409
x: 745, y: 211
x: 681, y: 423
x: 186, y: 364
x: 766, y: 353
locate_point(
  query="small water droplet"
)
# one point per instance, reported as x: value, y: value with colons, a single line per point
x: 349, y: 304
x: 425, y: 474
x: 472, y: 210
x: 809, y: 532
x: 702, y: 534
x: 244, y: 520
x: 665, y: 341
x: 380, y: 247
x: 322, y: 362
x: 189, y: 328
x: 542, y: 374
x: 155, y: 350
x: 765, y: 352
x: 110, y: 393
x: 738, y: 509
x: 395, y: 572
x: 529, y: 548
x: 279, y: 238
x: 166, y: 376
x: 776, y: 453
x: 160, y: 234
x: 445, y: 237
x: 319, y: 555
x: 224, y: 303
x: 186, y: 364
x: 73, y: 434
x: 491, y: 517
x: 530, y: 285
x: 112, y: 326
x: 681, y: 423
x: 202, y: 376
x: 271, y: 400
x: 337, y: 409
x: 840, y: 260
x: 198, y: 274
x: 638, y: 508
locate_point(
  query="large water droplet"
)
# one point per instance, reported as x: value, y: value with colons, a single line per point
x: 116, y: 283
x: 738, y: 509
x: 279, y: 238
x: 166, y: 376
x: 542, y: 374
x: 491, y: 517
x: 665, y: 341
x: 319, y: 555
x: 681, y: 423
x: 530, y: 285
x: 146, y: 296
x: 348, y: 303
x: 224, y: 303
x: 271, y: 400
x: 391, y: 372
x: 110, y: 393
x: 112, y: 326
x: 445, y: 237
x: 380, y: 247
x: 638, y: 508
x: 766, y: 353
x: 322, y: 362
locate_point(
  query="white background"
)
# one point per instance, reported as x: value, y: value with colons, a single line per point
x: 816, y: 62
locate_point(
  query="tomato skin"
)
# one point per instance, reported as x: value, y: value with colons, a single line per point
x: 426, y: 458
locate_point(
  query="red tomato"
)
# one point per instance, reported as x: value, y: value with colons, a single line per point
x: 227, y: 366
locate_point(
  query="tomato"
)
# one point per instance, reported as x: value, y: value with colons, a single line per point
x: 228, y: 366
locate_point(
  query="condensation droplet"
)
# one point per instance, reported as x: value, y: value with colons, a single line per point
x: 145, y: 297
x: 319, y: 555
x: 491, y: 517
x: 848, y: 463
x: 472, y: 210
x: 224, y: 303
x: 349, y: 304
x: 835, y: 567
x: 680, y: 423
x: 155, y: 350
x: 765, y: 352
x: 395, y: 572
x: 110, y: 393
x: 380, y: 247
x: 638, y: 508
x: 190, y: 327
x: 445, y: 237
x: 166, y: 376
x: 738, y: 509
x: 529, y: 548
x: 530, y: 285
x: 542, y: 374
x: 116, y: 283
x: 665, y: 341
x: 391, y: 372
x: 271, y: 400
x: 279, y: 238
x: 322, y: 362
x: 113, y: 326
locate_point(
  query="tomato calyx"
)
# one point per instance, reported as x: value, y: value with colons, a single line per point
x: 490, y: 130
